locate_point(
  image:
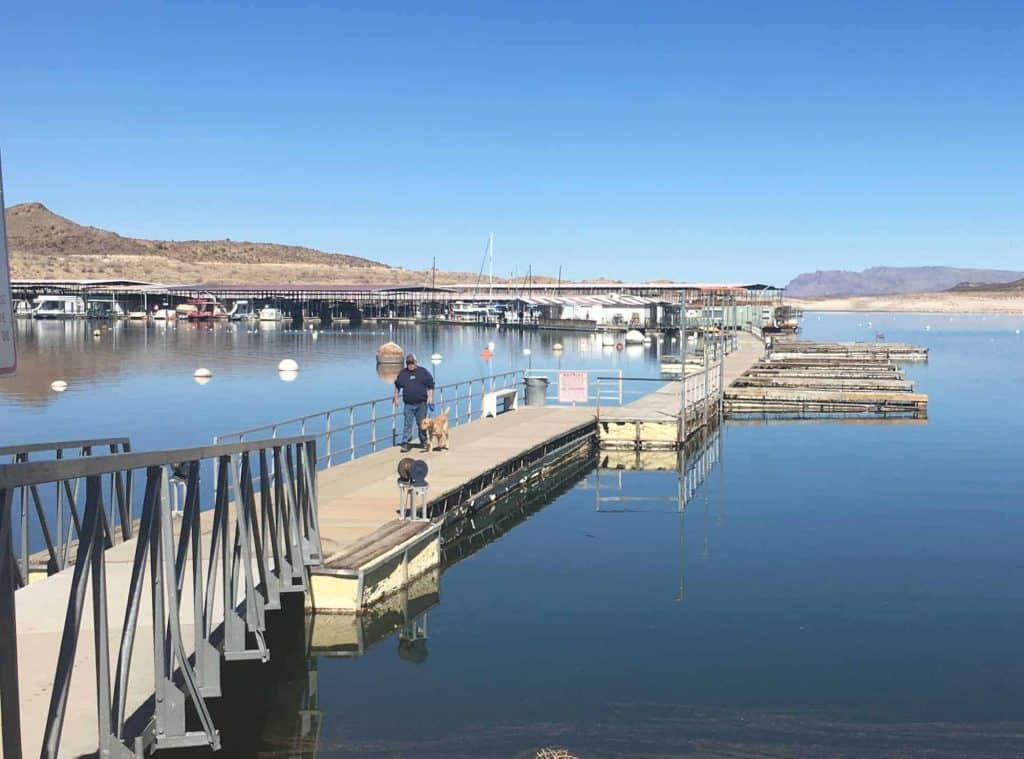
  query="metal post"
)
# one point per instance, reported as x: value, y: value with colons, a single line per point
x: 10, y: 707
x: 327, y: 429
x: 352, y: 433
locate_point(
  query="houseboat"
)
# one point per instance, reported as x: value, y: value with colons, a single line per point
x: 59, y: 307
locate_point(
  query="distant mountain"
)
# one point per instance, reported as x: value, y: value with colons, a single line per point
x: 888, y: 280
x: 45, y: 245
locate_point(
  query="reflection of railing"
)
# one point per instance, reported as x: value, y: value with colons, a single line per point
x: 691, y: 467
x: 59, y: 520
x: 255, y: 549
x: 363, y: 428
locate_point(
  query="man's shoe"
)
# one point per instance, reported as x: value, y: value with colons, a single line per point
x: 406, y: 448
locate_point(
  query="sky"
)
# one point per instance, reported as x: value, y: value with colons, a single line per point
x: 717, y: 141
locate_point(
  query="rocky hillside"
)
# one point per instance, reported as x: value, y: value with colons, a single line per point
x: 45, y: 245
x: 1014, y: 287
x: 886, y: 280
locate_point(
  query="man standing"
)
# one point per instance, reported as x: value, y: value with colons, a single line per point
x: 417, y: 386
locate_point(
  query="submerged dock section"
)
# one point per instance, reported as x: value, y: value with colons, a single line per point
x: 801, y: 378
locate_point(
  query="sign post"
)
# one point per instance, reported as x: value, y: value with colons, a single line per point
x: 8, y: 357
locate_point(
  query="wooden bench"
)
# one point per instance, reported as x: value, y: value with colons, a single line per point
x: 509, y: 397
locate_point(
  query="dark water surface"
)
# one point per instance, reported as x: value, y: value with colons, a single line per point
x: 830, y: 589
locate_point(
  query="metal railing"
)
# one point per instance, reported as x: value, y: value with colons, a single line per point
x: 220, y: 575
x: 609, y: 392
x: 347, y: 432
x: 59, y: 519
x: 694, y: 388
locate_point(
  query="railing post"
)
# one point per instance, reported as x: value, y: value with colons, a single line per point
x: 352, y: 433
x: 328, y: 435
x: 620, y: 386
x: 23, y: 548
x: 10, y: 706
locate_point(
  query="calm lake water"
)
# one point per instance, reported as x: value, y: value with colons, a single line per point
x: 830, y: 589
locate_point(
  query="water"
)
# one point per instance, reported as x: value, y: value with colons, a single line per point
x: 136, y: 380
x: 841, y: 589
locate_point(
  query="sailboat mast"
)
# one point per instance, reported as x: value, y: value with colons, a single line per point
x: 490, y: 256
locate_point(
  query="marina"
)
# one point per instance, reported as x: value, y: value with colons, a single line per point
x: 376, y: 565
x: 335, y: 535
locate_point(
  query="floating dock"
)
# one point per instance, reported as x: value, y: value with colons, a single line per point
x: 654, y: 422
x: 830, y: 379
x: 370, y: 552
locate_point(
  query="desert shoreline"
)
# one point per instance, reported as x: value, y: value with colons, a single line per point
x: 922, y: 303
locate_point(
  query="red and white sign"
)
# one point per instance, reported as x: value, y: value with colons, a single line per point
x: 8, y: 357
x: 572, y: 387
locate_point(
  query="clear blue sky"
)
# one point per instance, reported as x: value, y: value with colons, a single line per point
x: 690, y: 140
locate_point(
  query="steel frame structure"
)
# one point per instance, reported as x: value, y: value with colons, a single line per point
x: 66, y: 528
x: 263, y: 539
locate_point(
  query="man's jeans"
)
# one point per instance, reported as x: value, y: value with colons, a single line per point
x: 414, y: 414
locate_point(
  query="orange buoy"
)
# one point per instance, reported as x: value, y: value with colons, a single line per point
x: 486, y: 354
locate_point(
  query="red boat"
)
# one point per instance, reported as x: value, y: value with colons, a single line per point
x: 206, y: 310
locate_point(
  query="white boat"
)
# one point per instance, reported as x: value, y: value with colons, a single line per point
x: 23, y: 308
x: 165, y: 315
x: 241, y: 311
x: 270, y: 314
x: 634, y: 337
x: 137, y: 315
x: 607, y: 339
x: 59, y: 307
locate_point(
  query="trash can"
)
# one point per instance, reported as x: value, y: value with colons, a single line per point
x: 536, y: 390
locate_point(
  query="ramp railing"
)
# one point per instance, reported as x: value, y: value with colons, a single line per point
x: 347, y: 432
x: 58, y: 512
x: 218, y: 572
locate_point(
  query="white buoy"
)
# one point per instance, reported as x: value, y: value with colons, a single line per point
x: 287, y: 376
x: 202, y: 371
x: 202, y: 379
x: 927, y: 327
x: 97, y: 333
x: 556, y: 347
x: 527, y: 351
x: 490, y: 346
x: 1016, y: 331
x: 435, y: 358
x: 315, y: 334
x: 288, y: 365
x: 58, y: 386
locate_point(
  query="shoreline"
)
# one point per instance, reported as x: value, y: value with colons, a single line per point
x: 922, y: 303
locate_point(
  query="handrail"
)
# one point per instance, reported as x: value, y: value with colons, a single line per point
x: 255, y: 550
x: 62, y: 445
x: 59, y: 536
x: 365, y: 425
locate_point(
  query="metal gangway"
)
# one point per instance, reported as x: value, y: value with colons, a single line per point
x: 153, y: 601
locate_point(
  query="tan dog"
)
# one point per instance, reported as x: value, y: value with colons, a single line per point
x: 437, y: 429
